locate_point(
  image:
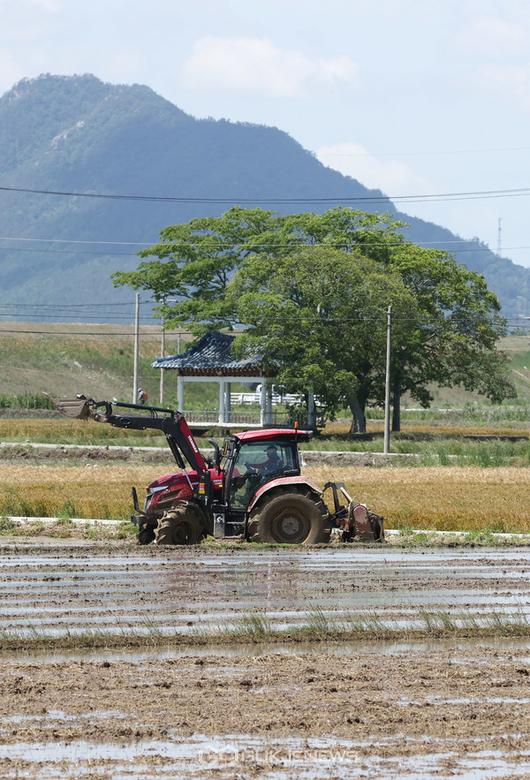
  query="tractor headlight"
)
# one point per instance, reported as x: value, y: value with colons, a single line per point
x: 152, y: 492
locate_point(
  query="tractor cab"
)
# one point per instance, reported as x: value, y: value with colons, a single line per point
x: 257, y: 457
x: 251, y: 461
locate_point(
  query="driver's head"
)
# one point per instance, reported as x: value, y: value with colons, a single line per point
x: 272, y: 452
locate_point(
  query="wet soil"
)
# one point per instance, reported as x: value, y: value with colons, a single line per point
x: 218, y: 714
x: 369, y: 709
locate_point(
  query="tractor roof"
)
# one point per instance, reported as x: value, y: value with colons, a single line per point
x: 273, y: 433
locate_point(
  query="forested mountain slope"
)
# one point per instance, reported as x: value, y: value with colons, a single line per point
x: 78, y: 133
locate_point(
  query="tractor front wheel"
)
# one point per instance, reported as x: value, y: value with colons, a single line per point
x: 180, y: 525
x: 290, y: 518
x: 146, y: 534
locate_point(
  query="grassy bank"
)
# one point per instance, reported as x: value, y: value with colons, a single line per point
x: 256, y: 628
x: 99, y: 362
x: 437, y: 449
x: 444, y: 498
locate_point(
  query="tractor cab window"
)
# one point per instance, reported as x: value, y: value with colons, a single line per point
x: 258, y: 463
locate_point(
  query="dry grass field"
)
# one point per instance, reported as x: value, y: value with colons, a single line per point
x: 445, y: 498
x: 65, y: 431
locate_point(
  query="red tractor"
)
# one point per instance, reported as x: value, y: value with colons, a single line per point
x: 252, y: 488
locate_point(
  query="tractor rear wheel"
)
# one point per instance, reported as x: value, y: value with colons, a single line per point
x: 289, y: 518
x: 180, y: 525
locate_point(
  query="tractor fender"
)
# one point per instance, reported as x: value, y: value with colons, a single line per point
x: 274, y: 484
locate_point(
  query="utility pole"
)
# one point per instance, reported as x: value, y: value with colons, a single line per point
x: 136, y: 348
x: 162, y: 354
x: 499, y: 236
x: 386, y: 439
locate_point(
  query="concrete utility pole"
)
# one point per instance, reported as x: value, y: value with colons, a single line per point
x: 136, y: 348
x: 386, y: 440
x: 162, y: 354
x: 499, y: 236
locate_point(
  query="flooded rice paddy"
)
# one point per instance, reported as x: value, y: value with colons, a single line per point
x: 162, y: 695
x: 67, y: 593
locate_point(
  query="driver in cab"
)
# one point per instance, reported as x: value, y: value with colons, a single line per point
x: 273, y: 464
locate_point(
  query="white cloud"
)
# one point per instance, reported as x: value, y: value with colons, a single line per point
x: 507, y: 81
x: 48, y: 5
x: 256, y: 65
x: 392, y: 176
x: 494, y: 36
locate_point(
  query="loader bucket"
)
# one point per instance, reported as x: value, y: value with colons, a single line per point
x: 77, y: 408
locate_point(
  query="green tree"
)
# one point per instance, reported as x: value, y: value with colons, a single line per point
x: 193, y: 264
x: 234, y: 269
x: 318, y: 316
x: 459, y: 326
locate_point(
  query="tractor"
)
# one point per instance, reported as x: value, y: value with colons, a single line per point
x: 252, y: 488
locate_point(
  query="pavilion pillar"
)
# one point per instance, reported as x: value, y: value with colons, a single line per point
x: 180, y: 393
x: 268, y: 404
x: 222, y: 401
x: 228, y: 401
x: 263, y: 402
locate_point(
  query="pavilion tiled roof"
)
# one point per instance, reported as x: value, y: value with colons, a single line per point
x: 212, y: 356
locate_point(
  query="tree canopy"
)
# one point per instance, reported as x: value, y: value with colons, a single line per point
x: 312, y: 292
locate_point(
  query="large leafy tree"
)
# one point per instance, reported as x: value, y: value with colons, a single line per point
x: 318, y: 315
x: 459, y: 324
x: 188, y: 271
x: 234, y: 269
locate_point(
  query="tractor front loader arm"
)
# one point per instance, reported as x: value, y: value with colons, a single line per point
x: 171, y: 423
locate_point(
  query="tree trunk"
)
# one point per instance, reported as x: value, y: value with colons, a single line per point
x: 358, y: 423
x: 396, y: 405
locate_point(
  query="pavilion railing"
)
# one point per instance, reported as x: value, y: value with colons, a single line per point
x: 247, y: 417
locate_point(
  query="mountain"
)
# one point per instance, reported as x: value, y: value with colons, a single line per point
x: 80, y: 134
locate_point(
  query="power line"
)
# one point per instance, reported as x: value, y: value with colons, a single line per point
x: 200, y: 242
x: 75, y: 241
x: 428, y: 153
x: 71, y: 305
x: 298, y: 317
x: 417, y: 198
x: 289, y: 245
x: 70, y: 252
x: 200, y: 239
x: 73, y: 317
x: 266, y: 247
x: 145, y: 334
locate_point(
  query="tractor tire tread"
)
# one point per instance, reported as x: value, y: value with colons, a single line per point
x: 259, y: 526
x: 182, y: 514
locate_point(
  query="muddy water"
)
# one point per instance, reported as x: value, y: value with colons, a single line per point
x: 437, y: 708
x: 242, y: 755
x: 180, y: 591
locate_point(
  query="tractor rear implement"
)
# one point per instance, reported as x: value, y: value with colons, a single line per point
x: 252, y: 488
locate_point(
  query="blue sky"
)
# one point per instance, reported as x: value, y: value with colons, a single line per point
x: 410, y: 96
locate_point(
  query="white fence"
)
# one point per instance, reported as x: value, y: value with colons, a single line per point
x: 249, y: 399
